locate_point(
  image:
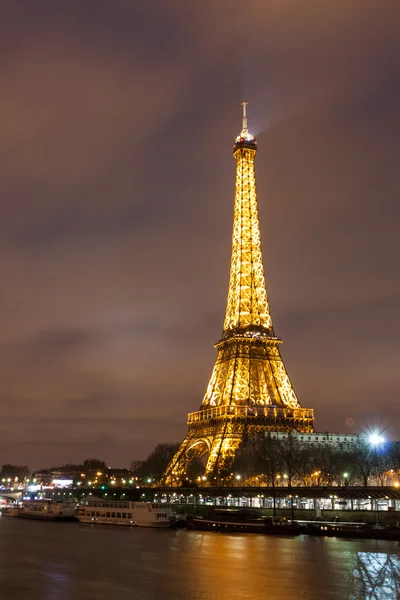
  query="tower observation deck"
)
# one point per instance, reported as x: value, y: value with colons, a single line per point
x: 249, y: 391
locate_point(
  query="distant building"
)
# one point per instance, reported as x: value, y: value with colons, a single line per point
x: 48, y: 476
x: 318, y: 438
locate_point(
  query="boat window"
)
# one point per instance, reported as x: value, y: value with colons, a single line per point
x: 124, y: 515
x: 108, y: 515
x: 129, y: 515
x: 93, y: 514
x: 113, y: 515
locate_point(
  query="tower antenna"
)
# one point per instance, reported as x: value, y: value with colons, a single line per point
x: 245, y: 131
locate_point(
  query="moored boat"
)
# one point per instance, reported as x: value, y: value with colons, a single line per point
x: 10, y: 510
x: 242, y: 521
x: 46, y: 510
x: 97, y: 511
x: 351, y: 530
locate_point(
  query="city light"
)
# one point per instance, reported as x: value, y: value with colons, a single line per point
x: 375, y: 439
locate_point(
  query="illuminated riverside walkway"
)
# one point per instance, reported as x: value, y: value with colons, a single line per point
x: 345, y: 498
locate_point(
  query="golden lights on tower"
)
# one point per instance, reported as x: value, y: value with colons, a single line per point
x: 249, y: 385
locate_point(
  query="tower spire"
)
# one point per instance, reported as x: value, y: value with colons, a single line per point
x: 247, y: 305
x: 244, y: 131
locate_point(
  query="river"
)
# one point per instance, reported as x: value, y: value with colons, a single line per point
x: 69, y: 561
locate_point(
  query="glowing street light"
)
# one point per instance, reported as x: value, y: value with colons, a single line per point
x: 375, y: 439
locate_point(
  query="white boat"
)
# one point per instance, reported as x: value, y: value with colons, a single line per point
x: 49, y: 510
x: 132, y: 514
x: 10, y: 510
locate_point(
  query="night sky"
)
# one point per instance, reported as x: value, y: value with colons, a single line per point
x: 116, y: 185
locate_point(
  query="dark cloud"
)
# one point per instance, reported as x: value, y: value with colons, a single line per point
x: 116, y: 191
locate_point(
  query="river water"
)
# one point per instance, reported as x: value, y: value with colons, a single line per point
x: 70, y: 561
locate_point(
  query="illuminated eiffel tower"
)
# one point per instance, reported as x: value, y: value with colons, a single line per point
x: 249, y: 391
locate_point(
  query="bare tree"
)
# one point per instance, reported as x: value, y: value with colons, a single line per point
x: 290, y: 454
x: 363, y: 463
x: 155, y: 464
x: 305, y: 463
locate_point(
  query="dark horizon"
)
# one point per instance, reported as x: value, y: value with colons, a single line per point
x: 117, y: 181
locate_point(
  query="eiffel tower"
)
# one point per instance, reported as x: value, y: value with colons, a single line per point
x: 249, y: 392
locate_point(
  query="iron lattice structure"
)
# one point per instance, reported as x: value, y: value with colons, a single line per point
x: 249, y: 391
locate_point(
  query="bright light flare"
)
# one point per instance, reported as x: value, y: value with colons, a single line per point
x: 375, y: 439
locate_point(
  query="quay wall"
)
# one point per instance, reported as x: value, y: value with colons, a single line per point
x: 368, y: 516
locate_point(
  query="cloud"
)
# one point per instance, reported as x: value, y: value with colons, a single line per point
x: 116, y: 179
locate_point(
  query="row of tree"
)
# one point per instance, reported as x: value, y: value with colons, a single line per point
x: 272, y: 462
x: 152, y: 468
x: 260, y: 461
x: 11, y: 472
x: 289, y: 462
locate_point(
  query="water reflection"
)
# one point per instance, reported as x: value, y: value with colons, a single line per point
x: 75, y: 562
x: 376, y: 575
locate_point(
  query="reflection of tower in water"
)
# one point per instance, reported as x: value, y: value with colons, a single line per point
x: 376, y: 576
x: 249, y: 392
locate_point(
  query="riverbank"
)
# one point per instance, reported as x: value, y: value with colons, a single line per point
x: 366, y: 516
